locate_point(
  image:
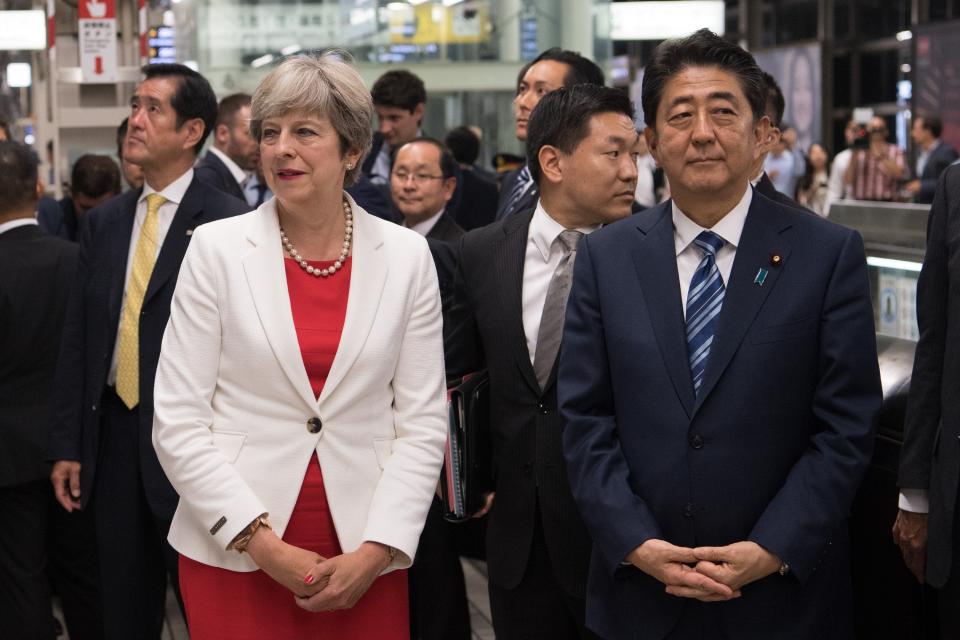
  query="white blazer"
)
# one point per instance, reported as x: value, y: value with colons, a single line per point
x: 232, y: 399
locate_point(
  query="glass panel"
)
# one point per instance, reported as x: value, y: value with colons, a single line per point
x: 878, y: 76
x: 882, y: 18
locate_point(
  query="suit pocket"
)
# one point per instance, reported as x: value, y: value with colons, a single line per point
x: 383, y: 447
x: 787, y: 331
x: 229, y: 443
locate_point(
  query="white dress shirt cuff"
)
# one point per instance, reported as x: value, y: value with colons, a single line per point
x: 914, y: 500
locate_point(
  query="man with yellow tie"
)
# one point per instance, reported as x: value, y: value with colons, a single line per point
x: 130, y: 252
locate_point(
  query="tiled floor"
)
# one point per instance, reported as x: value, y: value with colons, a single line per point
x: 475, y: 574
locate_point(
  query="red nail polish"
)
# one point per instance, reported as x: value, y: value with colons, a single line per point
x: 308, y: 579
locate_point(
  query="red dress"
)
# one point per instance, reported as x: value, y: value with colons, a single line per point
x: 232, y: 605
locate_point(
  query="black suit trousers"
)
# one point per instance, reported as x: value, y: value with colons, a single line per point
x: 135, y: 558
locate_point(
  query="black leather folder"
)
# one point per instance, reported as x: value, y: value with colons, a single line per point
x: 466, y: 462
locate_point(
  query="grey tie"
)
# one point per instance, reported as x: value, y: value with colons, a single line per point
x: 551, y: 321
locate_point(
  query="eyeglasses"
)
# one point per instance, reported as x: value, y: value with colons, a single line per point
x: 418, y: 178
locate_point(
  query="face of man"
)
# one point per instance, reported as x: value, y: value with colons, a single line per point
x: 398, y: 125
x: 153, y: 139
x: 236, y: 141
x: 83, y: 203
x: 417, y: 184
x: 539, y: 80
x: 919, y: 133
x: 850, y: 132
x: 877, y: 129
x: 599, y: 177
x: 705, y: 137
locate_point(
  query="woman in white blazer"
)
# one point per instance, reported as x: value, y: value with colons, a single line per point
x: 299, y: 400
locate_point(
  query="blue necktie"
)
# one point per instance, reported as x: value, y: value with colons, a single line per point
x: 519, y: 188
x: 703, y: 305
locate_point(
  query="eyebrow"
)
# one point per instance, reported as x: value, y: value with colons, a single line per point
x: 715, y: 95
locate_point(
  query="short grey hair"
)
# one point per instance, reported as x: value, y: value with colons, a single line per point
x: 323, y: 84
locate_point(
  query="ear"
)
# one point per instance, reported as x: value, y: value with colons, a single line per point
x: 221, y: 134
x: 194, y: 129
x: 40, y: 189
x: 351, y: 157
x: 418, y: 112
x: 550, y: 164
x: 651, y: 138
x: 449, y: 186
x: 765, y: 136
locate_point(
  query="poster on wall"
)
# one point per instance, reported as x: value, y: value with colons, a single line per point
x: 936, y: 77
x: 797, y: 71
x: 98, y: 40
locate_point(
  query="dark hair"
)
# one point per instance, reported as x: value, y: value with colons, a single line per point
x: 229, y: 106
x: 806, y: 180
x: 774, y: 103
x: 580, y: 70
x: 933, y: 124
x: 94, y: 176
x: 562, y: 118
x: 121, y: 136
x: 448, y: 166
x: 701, y: 49
x: 193, y: 98
x: 463, y: 144
x: 18, y: 176
x: 398, y: 88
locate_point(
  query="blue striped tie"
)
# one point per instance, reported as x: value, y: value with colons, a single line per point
x: 519, y: 188
x: 703, y: 305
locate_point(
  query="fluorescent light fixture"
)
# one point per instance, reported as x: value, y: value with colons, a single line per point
x: 23, y: 30
x: 19, y: 74
x: 261, y: 61
x: 905, y: 68
x: 169, y: 19
x: 398, y: 6
x: 450, y: 3
x: 662, y: 20
x: 904, y: 35
x: 289, y: 50
x: 890, y: 263
x: 416, y: 2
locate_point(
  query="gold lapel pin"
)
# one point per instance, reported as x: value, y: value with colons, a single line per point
x: 775, y: 259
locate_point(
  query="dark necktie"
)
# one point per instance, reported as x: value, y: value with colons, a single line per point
x: 551, y: 321
x: 516, y: 194
x: 704, y: 301
x: 261, y: 188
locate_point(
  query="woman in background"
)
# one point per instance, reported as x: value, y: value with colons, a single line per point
x: 813, y: 187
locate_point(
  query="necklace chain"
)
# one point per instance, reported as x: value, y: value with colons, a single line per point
x: 344, y: 252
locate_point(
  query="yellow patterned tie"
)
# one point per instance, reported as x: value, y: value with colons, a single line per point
x: 144, y: 257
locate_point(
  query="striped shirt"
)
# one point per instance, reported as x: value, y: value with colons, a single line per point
x: 870, y: 182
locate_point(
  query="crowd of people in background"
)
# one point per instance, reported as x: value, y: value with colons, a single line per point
x: 210, y: 420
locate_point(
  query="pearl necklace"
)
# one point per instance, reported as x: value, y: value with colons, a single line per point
x: 338, y: 263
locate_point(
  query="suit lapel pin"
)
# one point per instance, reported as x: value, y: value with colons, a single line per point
x: 760, y: 277
x: 189, y: 232
x: 776, y: 259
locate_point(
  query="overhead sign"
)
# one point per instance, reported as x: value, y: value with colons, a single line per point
x: 98, y: 40
x: 662, y: 20
x: 23, y: 30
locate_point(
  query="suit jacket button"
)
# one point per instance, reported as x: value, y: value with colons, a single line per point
x: 688, y: 510
x: 314, y: 425
x: 543, y: 409
x: 696, y: 441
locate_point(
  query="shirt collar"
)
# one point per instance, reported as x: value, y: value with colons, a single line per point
x: 729, y: 227
x: 17, y: 222
x: 238, y: 174
x: 544, y: 230
x: 175, y: 190
x: 426, y: 226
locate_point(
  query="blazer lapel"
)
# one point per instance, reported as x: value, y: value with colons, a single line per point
x: 508, y: 268
x: 176, y: 241
x: 121, y: 227
x: 267, y: 279
x: 655, y: 260
x: 367, y: 280
x: 760, y: 240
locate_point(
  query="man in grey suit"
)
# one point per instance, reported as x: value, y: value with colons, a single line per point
x: 926, y: 527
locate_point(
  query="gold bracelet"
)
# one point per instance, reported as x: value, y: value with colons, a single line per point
x: 243, y: 538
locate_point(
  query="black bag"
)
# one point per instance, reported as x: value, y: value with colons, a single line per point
x: 466, y: 460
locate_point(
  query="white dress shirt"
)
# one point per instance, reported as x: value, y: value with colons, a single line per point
x: 426, y: 226
x: 540, y: 261
x: 238, y: 174
x: 689, y: 255
x: 837, y: 189
x: 174, y: 194
x: 17, y: 222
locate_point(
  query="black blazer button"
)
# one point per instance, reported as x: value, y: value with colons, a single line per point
x: 696, y: 441
x: 314, y: 425
x: 688, y: 510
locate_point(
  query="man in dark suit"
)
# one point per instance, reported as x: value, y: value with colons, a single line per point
x: 478, y: 203
x: 773, y: 109
x: 718, y: 383
x: 933, y: 156
x: 35, y: 275
x: 552, y: 69
x: 930, y: 458
x: 232, y: 159
x: 130, y: 253
x: 422, y: 181
x: 507, y: 317
x: 93, y: 180
x: 399, y: 99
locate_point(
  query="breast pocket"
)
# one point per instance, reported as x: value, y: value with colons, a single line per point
x: 786, y: 331
x: 229, y: 443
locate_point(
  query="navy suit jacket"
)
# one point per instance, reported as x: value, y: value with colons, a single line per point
x: 92, y: 320
x: 771, y: 450
x: 215, y: 173
x: 940, y: 158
